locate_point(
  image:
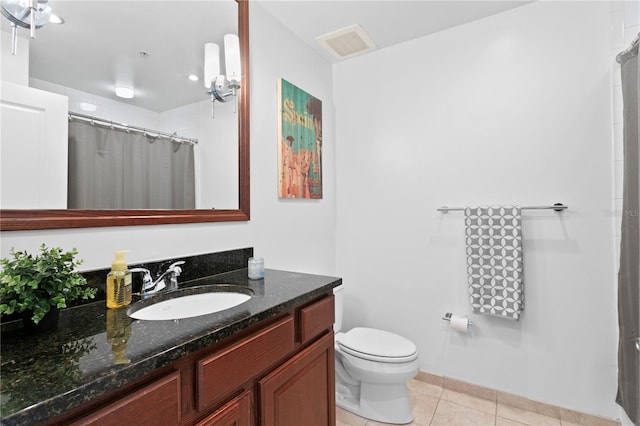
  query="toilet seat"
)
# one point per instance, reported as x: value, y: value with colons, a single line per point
x: 377, y: 345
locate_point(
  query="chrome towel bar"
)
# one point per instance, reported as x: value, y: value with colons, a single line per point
x: 556, y: 207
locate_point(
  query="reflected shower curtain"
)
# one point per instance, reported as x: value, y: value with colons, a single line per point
x: 629, y: 274
x: 113, y: 169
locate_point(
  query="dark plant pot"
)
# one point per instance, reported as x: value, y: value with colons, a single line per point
x: 47, y: 323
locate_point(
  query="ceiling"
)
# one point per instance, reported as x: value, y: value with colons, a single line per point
x: 387, y: 22
x: 98, y: 46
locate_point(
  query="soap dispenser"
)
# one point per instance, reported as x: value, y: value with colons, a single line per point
x: 119, y: 282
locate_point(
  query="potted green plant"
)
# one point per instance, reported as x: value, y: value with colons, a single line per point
x: 42, y: 284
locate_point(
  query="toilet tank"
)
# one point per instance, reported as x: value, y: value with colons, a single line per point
x: 339, y: 304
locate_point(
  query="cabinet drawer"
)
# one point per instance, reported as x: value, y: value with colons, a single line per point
x: 155, y: 404
x: 316, y: 318
x: 236, y: 412
x: 223, y: 372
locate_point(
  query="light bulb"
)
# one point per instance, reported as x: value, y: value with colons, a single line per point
x: 211, y: 63
x: 124, y: 92
x: 87, y: 106
x: 232, y: 57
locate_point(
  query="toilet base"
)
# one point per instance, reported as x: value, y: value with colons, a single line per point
x: 380, y: 402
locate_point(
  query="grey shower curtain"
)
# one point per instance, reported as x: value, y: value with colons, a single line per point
x: 114, y: 169
x: 629, y: 274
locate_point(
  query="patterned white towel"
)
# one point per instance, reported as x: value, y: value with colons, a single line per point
x: 494, y: 260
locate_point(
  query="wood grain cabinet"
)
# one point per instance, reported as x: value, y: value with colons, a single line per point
x: 226, y: 370
x: 301, y: 391
x: 279, y: 372
x: 155, y: 404
x: 236, y: 412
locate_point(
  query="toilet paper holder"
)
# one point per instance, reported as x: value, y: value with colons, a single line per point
x: 448, y: 315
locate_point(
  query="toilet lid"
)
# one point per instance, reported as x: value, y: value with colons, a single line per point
x: 377, y: 345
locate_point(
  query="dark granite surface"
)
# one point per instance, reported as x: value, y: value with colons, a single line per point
x: 202, y: 265
x: 96, y: 350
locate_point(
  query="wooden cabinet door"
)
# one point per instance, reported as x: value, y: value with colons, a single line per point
x: 236, y: 412
x: 302, y: 390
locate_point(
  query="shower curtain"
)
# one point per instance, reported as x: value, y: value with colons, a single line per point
x: 629, y: 274
x: 114, y: 169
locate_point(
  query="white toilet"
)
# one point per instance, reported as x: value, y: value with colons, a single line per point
x: 372, y: 369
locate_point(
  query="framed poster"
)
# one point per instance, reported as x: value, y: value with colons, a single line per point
x: 299, y: 143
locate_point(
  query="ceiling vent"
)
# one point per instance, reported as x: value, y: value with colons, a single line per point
x: 347, y: 42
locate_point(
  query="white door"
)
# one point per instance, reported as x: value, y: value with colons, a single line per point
x: 33, y: 148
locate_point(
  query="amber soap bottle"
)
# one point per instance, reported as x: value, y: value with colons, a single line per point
x: 119, y: 282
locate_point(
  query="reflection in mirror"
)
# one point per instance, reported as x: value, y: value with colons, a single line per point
x: 101, y: 46
x: 110, y: 166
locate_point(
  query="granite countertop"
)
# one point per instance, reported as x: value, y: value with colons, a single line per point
x: 94, y: 352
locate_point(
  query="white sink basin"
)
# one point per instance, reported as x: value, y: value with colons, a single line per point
x: 189, y: 305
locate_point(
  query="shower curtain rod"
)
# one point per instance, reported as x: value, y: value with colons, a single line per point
x: 122, y: 126
x: 634, y: 43
x: 557, y: 207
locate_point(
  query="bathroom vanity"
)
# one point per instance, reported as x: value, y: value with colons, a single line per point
x: 268, y: 361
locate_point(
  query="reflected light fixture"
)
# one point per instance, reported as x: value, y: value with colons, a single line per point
x: 124, y: 92
x: 223, y: 88
x: 55, y: 19
x: 31, y: 14
x: 88, y: 106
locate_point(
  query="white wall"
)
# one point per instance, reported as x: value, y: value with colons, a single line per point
x: 14, y: 68
x: 292, y: 235
x: 107, y: 109
x: 514, y: 108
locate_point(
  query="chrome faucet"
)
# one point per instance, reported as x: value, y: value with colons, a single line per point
x: 167, y: 280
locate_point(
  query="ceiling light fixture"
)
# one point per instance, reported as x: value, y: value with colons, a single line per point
x: 31, y: 14
x: 87, y: 106
x: 222, y: 88
x: 193, y: 77
x: 55, y: 19
x: 124, y: 92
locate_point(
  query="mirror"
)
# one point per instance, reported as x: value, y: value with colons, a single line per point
x: 26, y: 219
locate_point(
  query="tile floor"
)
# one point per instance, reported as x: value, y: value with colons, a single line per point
x: 435, y: 406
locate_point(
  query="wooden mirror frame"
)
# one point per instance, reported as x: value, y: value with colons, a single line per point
x: 19, y: 219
